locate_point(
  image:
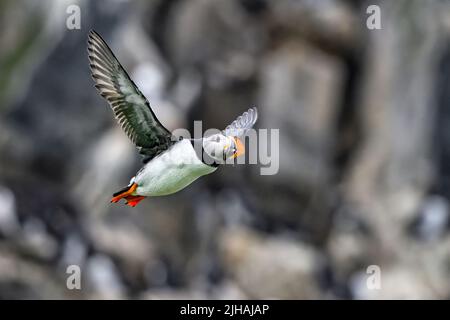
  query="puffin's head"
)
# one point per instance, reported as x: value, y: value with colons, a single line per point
x: 221, y: 147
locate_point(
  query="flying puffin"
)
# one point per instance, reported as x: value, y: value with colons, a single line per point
x: 170, y: 164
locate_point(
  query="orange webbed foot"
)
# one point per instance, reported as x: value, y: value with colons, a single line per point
x: 132, y: 201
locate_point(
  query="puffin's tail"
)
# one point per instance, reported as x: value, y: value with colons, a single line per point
x: 127, y: 194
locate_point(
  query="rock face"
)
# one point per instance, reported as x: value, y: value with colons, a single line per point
x: 270, y: 267
x: 299, y: 94
x: 358, y: 207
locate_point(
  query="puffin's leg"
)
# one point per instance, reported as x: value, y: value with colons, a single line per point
x: 124, y: 193
x: 132, y: 201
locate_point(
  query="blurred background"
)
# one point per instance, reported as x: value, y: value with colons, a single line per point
x: 364, y: 173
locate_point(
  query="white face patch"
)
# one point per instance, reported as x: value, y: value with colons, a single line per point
x: 219, y: 147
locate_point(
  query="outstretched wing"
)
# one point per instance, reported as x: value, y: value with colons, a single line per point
x: 243, y: 123
x: 131, y: 108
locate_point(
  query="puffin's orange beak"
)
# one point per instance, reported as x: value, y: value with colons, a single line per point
x: 240, y: 148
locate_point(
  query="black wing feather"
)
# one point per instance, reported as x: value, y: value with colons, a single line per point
x: 131, y: 108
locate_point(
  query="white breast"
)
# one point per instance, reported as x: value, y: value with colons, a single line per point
x: 171, y: 171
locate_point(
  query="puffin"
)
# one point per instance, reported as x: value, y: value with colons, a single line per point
x: 170, y: 163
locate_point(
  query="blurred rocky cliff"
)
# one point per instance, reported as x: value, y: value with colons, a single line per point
x: 364, y: 150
